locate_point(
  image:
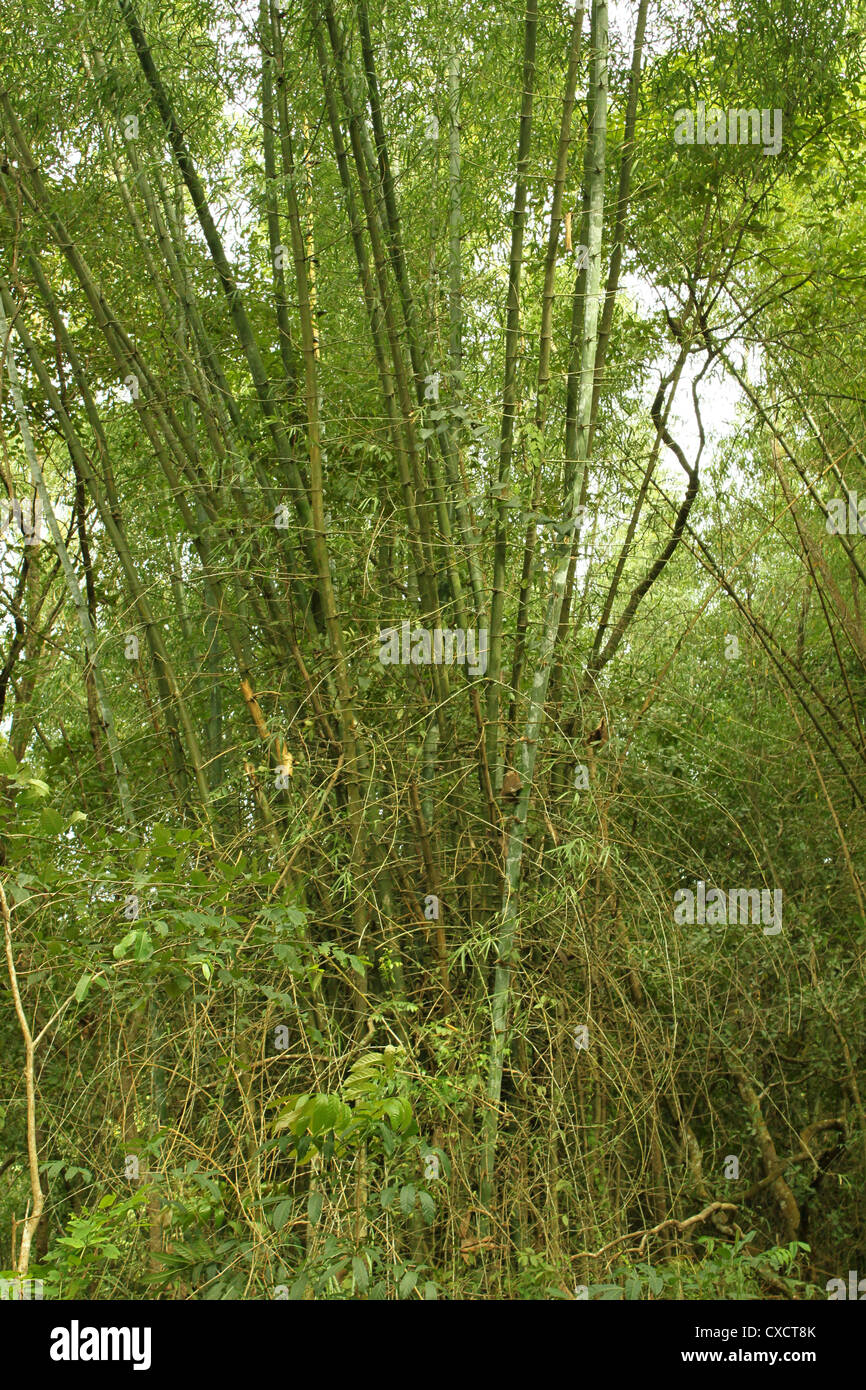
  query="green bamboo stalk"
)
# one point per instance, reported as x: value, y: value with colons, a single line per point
x: 281, y: 303
x: 622, y: 205
x: 234, y: 432
x: 79, y: 603
x: 378, y: 163
x: 548, y: 301
x: 455, y: 259
x: 548, y: 297
x: 346, y: 714
x: 153, y: 404
x: 379, y: 166
x: 516, y: 833
x: 165, y: 433
x: 509, y: 398
x: 611, y: 289
x: 362, y: 156
x: 243, y: 327
x: 109, y: 513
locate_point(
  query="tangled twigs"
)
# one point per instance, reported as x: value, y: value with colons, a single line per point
x: 663, y: 1225
x: 34, y: 1216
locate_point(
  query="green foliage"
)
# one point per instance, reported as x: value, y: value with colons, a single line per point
x: 333, y: 1124
x: 219, y: 842
x: 725, y: 1270
x: 94, y: 1241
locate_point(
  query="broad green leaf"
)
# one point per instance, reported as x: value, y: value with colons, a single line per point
x: 35, y: 788
x: 51, y: 821
x: 81, y: 989
x: 8, y: 765
x: 326, y: 1113
x: 361, y: 1273
x: 282, y: 1212
x: 144, y: 946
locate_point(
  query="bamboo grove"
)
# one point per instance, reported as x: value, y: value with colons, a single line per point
x: 432, y: 556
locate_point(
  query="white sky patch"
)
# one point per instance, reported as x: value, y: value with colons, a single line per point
x: 720, y: 398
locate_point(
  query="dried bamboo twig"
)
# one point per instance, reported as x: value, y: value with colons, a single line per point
x: 654, y: 1231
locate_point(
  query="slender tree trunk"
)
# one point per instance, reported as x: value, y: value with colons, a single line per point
x: 37, y: 1196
